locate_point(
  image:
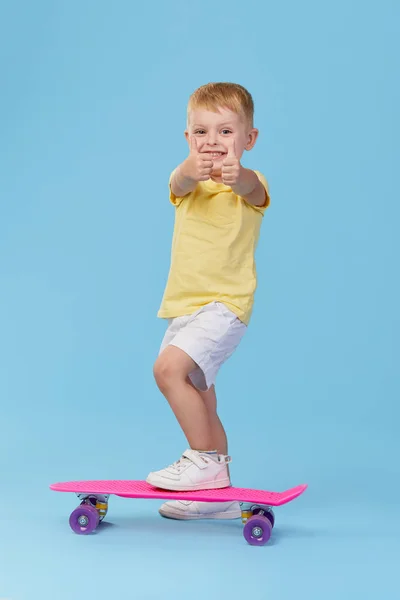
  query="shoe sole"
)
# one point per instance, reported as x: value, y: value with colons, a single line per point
x: 211, y: 485
x: 196, y: 517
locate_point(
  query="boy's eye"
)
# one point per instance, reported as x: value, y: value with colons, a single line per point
x: 200, y: 131
x: 226, y: 131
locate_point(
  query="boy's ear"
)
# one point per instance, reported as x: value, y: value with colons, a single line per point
x: 186, y: 134
x: 252, y: 138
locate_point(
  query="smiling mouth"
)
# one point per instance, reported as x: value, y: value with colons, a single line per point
x: 216, y: 154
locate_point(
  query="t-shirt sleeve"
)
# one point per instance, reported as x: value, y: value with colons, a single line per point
x: 267, y: 202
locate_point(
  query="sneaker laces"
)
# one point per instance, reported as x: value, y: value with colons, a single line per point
x: 190, y: 456
x: 178, y: 465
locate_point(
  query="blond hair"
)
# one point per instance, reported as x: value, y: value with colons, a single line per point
x: 213, y: 96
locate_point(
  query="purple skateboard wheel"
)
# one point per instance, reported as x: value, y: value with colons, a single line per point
x: 84, y: 519
x: 257, y: 530
x: 266, y: 512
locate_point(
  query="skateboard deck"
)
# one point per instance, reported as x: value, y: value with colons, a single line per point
x: 141, y: 489
x: 259, y: 519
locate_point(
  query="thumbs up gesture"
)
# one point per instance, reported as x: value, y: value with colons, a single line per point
x: 231, y: 166
x: 198, y: 165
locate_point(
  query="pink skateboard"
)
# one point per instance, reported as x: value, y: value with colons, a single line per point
x: 257, y: 514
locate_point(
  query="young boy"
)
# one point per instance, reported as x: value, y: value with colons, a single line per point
x: 208, y: 298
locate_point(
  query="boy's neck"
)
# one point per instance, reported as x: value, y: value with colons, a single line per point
x: 217, y: 177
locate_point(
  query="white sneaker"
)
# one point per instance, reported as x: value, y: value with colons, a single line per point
x: 184, y: 510
x: 193, y: 471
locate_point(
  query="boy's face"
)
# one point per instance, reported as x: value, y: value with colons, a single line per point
x: 216, y: 132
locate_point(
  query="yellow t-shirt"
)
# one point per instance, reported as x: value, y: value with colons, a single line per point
x: 212, y: 256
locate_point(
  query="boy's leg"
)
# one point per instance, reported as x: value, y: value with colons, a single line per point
x: 192, y: 351
x: 171, y: 372
x: 218, y: 435
x: 200, y: 467
x: 195, y: 410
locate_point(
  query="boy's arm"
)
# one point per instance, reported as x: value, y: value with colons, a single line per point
x: 180, y: 183
x: 250, y: 188
x: 243, y: 182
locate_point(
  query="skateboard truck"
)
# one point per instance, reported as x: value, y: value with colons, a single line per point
x: 100, y: 503
x: 258, y: 521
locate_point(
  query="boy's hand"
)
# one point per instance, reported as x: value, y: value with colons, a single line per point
x: 198, y: 165
x: 231, y: 166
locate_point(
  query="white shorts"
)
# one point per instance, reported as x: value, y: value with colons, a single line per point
x: 209, y: 336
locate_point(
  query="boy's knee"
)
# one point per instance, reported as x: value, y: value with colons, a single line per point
x: 167, y: 372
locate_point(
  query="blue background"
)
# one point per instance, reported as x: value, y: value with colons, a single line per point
x: 92, y: 114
